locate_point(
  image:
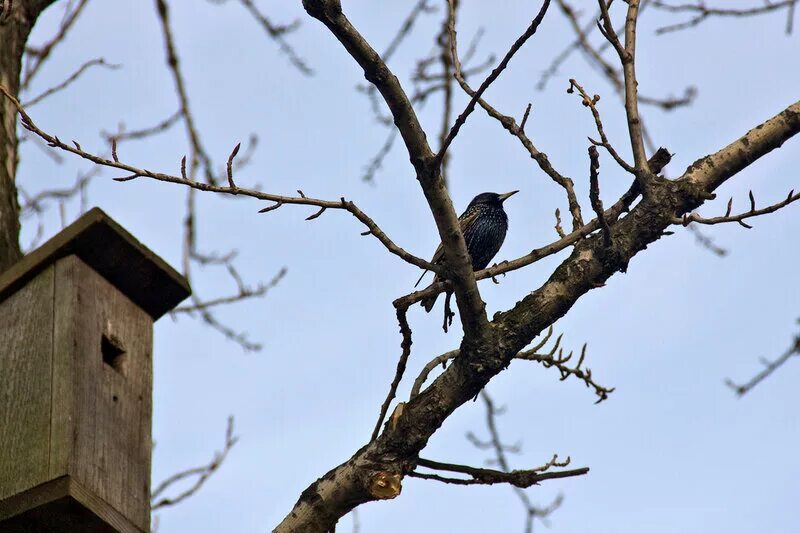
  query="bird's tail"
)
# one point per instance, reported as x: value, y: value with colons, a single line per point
x: 429, y: 302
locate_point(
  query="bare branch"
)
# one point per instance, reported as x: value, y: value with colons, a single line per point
x: 405, y: 345
x: 701, y: 12
x: 541, y: 158
x: 200, y: 474
x: 627, y: 56
x: 74, y: 76
x: 278, y: 34
x: 199, y: 154
x: 532, y: 511
x: 462, y: 118
x: 560, y: 361
x: 245, y: 293
x: 485, y: 476
x: 769, y: 368
x: 591, y: 103
x: 753, y: 212
x: 136, y: 172
x: 706, y: 242
x: 161, y: 127
x: 39, y: 55
x: 594, y: 193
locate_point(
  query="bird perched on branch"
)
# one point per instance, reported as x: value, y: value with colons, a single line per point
x: 484, y: 225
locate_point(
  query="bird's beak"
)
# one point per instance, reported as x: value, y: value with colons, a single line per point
x: 506, y: 196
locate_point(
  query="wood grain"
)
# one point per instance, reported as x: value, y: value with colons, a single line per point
x: 26, y: 338
x: 109, y: 435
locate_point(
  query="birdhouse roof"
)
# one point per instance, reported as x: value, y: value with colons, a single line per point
x: 113, y: 253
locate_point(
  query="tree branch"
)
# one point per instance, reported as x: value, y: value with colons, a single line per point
x: 426, y: 165
x: 302, y: 199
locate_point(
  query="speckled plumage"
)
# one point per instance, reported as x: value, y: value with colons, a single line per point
x: 484, y: 224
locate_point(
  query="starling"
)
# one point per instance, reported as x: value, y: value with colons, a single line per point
x: 484, y: 225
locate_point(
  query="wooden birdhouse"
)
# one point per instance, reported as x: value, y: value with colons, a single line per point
x: 76, y: 380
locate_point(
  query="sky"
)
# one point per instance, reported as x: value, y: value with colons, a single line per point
x: 673, y: 449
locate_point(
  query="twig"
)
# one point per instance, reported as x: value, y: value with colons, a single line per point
x: 201, y: 473
x: 243, y: 294
x: 161, y: 127
x: 74, y: 76
x: 702, y: 12
x: 405, y: 345
x: 462, y: 118
x: 38, y: 56
x: 485, y: 476
x: 627, y: 56
x: 560, y: 361
x: 769, y: 368
x: 198, y: 154
x: 594, y: 194
x: 591, y: 103
x: 278, y: 34
x: 135, y: 172
x: 706, y: 242
x: 753, y: 212
x: 510, y: 125
x: 532, y: 511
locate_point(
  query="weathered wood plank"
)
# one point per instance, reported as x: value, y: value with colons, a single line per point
x: 111, y: 409
x: 26, y: 345
x: 61, y: 506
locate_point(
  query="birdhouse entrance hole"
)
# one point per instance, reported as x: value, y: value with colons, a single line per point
x: 113, y: 353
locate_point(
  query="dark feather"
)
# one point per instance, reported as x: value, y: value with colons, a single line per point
x: 484, y: 224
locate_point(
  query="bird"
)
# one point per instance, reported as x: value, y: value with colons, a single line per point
x: 484, y: 224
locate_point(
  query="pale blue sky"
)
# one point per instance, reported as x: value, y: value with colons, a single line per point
x: 671, y: 450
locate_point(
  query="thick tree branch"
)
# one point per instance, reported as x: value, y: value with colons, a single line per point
x: 485, y: 476
x: 426, y: 165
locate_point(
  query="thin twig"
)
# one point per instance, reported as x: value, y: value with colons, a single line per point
x: 594, y: 193
x: 278, y: 34
x: 201, y: 474
x: 405, y: 345
x: 74, y: 76
x: 462, y: 118
x: 135, y: 172
x: 38, y: 56
x: 753, y: 212
x: 769, y: 368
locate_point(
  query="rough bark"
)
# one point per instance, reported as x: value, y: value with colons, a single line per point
x: 14, y: 32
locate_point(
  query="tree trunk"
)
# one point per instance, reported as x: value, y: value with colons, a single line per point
x: 14, y: 31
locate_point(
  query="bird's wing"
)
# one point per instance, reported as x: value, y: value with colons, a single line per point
x: 466, y: 222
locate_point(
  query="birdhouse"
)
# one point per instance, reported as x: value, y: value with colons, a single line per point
x: 76, y: 380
